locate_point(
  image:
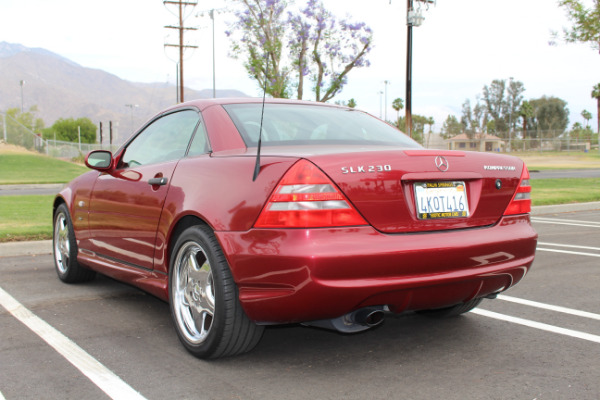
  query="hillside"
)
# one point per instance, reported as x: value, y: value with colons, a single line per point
x: 62, y: 89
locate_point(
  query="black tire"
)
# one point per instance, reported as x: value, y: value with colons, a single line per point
x: 452, y: 311
x: 64, y: 248
x: 203, y: 298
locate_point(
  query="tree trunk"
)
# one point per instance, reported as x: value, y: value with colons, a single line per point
x: 598, y: 116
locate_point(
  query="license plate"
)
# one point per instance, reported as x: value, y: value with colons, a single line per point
x: 437, y: 200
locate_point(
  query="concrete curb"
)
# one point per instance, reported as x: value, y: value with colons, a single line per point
x: 56, y: 186
x: 41, y: 247
x: 564, y: 208
x: 12, y: 249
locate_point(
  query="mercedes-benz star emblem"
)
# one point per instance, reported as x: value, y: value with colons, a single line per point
x: 441, y: 163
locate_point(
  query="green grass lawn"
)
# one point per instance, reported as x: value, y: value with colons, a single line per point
x: 25, y: 218
x: 30, y: 217
x: 31, y: 168
x: 564, y: 191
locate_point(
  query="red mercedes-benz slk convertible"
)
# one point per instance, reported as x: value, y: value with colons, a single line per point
x: 345, y: 220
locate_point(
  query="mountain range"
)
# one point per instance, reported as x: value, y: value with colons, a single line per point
x: 61, y: 88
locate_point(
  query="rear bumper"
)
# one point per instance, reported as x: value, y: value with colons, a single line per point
x: 295, y: 275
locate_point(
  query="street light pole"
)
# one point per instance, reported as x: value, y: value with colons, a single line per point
x: 212, y: 16
x: 22, y: 83
x: 386, y: 83
x: 409, y: 24
x: 413, y: 18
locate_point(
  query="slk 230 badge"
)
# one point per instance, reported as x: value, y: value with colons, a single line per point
x: 359, y: 169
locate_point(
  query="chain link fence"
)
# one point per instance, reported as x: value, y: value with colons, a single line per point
x: 546, y: 141
x: 15, y: 133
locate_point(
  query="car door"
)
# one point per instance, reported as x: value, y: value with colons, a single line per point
x: 126, y: 205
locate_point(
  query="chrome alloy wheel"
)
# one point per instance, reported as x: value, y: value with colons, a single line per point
x: 62, y: 246
x: 193, y: 293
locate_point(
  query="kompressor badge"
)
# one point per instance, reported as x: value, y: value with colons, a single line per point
x: 499, y: 168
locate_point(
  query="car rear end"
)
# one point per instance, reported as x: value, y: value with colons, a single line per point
x: 357, y: 225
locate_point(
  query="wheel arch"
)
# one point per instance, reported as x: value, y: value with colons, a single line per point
x: 181, y: 225
x: 58, y: 200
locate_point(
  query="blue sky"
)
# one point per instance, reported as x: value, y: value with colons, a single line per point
x: 461, y: 46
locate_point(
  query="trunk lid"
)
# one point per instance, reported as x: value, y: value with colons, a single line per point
x: 383, y: 185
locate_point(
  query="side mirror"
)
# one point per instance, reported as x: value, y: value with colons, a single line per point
x: 100, y: 160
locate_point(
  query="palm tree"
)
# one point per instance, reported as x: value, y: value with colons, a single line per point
x: 587, y: 116
x: 596, y: 95
x: 398, y: 105
x: 576, y: 131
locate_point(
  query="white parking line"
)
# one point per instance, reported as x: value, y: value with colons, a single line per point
x: 577, y: 253
x: 570, y: 222
x: 570, y: 246
x: 550, y: 307
x: 101, y: 376
x: 538, y: 325
x: 2, y: 397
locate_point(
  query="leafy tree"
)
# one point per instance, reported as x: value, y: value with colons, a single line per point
x: 262, y: 24
x: 467, y: 119
x: 451, y: 127
x: 526, y: 112
x: 475, y: 120
x: 551, y: 115
x: 495, y: 102
x: 350, y: 103
x: 586, y: 22
x: 418, y: 128
x: 27, y: 119
x: 67, y: 130
x: 309, y: 44
x: 596, y: 95
x: 22, y: 127
x: 515, y: 98
x: 502, y: 104
x: 398, y: 104
x: 498, y: 110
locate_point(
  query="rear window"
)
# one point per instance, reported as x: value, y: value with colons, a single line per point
x: 300, y: 124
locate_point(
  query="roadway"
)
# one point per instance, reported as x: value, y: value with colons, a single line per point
x: 540, y: 340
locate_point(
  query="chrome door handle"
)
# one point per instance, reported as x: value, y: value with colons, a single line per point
x: 158, y: 181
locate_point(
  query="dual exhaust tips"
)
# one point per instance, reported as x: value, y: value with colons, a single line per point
x: 353, y: 322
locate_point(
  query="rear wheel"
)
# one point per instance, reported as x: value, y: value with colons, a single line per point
x: 64, y: 249
x: 208, y: 316
x: 452, y: 311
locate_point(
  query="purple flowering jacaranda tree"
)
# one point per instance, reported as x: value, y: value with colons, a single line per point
x: 306, y: 44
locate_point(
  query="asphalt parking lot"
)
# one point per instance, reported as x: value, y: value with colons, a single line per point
x: 540, y: 340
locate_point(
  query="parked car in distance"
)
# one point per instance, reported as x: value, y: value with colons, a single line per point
x: 345, y: 220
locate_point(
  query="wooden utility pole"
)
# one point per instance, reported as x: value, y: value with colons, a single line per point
x: 181, y: 4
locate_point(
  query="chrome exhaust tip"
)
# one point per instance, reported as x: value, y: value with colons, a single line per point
x: 353, y: 322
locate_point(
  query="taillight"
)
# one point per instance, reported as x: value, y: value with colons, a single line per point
x: 521, y: 201
x: 307, y: 198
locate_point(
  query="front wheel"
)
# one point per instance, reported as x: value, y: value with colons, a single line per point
x: 208, y: 316
x: 64, y: 247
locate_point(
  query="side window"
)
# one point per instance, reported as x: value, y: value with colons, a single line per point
x: 199, y: 142
x: 164, y: 140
